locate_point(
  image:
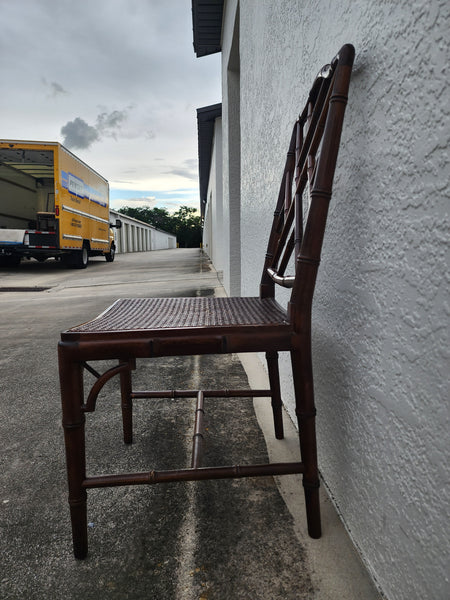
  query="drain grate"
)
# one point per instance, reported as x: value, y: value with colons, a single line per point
x: 24, y: 289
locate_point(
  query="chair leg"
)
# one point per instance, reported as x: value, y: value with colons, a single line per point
x: 306, y: 412
x: 127, y: 404
x: 71, y: 379
x: 274, y: 378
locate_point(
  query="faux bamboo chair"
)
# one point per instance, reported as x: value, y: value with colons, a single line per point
x: 152, y: 327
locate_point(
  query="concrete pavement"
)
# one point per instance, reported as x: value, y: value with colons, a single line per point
x: 221, y: 540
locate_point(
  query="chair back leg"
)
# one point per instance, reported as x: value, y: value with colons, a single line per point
x: 274, y: 379
x: 127, y: 403
x: 306, y: 417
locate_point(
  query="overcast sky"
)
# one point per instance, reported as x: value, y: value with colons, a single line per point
x: 115, y: 81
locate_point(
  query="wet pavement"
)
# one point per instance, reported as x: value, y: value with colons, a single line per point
x: 230, y: 539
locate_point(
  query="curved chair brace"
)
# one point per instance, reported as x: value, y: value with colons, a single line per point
x: 89, y: 406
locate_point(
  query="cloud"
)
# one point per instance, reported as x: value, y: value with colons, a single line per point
x: 55, y: 88
x: 171, y: 200
x: 191, y: 163
x: 106, y: 124
x: 187, y: 169
x: 142, y: 200
x: 78, y: 134
x: 138, y: 202
x: 133, y: 129
x: 171, y: 205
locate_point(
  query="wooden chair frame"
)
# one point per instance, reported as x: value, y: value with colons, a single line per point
x: 143, y: 328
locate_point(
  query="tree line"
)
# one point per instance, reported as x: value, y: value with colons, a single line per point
x: 185, y: 223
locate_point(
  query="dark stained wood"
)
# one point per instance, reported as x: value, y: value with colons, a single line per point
x: 193, y: 474
x: 145, y: 328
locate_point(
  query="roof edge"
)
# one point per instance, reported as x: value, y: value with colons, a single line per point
x: 206, y: 117
x: 207, y: 17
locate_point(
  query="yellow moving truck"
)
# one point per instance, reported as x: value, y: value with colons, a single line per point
x: 52, y: 205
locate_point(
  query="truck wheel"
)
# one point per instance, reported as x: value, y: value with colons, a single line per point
x: 111, y: 254
x: 10, y: 261
x: 80, y: 258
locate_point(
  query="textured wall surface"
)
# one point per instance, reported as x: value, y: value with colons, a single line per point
x: 213, y: 236
x: 231, y: 150
x: 381, y: 310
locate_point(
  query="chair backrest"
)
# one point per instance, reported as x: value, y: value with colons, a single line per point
x: 305, y: 192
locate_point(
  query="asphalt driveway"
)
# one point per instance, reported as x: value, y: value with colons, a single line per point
x: 233, y: 539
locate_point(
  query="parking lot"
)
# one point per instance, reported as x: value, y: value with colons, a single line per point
x: 217, y: 540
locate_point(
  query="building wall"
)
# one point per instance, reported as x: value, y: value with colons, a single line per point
x: 162, y: 240
x: 380, y: 342
x: 213, y: 228
x: 137, y: 236
x: 231, y: 149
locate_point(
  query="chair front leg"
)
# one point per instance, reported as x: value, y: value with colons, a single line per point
x: 71, y: 381
x: 274, y: 379
x: 306, y: 413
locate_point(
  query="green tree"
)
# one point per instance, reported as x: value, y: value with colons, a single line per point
x: 185, y: 223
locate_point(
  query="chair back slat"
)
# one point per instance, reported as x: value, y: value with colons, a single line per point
x: 300, y: 217
x: 290, y: 245
x: 298, y: 197
x: 311, y: 127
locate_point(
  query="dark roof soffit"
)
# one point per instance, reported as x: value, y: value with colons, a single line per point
x: 206, y: 117
x: 207, y: 26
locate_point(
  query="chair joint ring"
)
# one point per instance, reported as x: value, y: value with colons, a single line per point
x: 306, y: 415
x: 75, y: 425
x: 311, y: 485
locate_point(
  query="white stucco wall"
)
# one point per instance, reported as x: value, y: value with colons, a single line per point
x: 380, y: 341
x: 213, y: 229
x: 162, y: 240
x: 231, y: 149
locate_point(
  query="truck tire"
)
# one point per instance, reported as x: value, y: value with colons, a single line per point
x: 111, y: 254
x: 10, y: 261
x: 80, y: 258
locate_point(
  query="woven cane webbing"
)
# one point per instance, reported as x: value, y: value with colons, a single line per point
x: 161, y: 313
